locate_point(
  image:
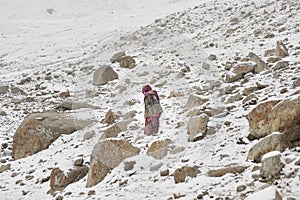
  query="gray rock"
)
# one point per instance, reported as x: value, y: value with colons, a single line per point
x: 271, y: 164
x: 104, y: 75
x: 197, y: 127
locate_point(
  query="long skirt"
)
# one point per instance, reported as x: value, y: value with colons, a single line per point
x: 151, y: 125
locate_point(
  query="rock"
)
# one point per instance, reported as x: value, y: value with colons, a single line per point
x: 25, y: 80
x: 174, y: 94
x: 267, y: 193
x: 3, y: 113
x: 270, y: 35
x: 238, y: 72
x: 197, y: 127
x: 78, y: 162
x: 60, y: 180
x: 91, y: 192
x: 250, y: 100
x: 212, y: 57
x: 194, y: 101
x: 260, y: 64
x: 89, y: 135
x: 4, y: 89
x: 181, y: 173
x: 280, y: 65
x: 164, y: 172
x: 222, y: 171
x: 271, y: 164
x: 159, y: 149
x: 241, y: 188
x: 117, y: 56
x: 112, y: 131
x: 104, y: 75
x: 109, y: 118
x: 127, y: 62
x: 274, y: 142
x: 129, y: 165
x: 273, y: 59
x: 15, y: 90
x: 4, y: 168
x: 65, y: 94
x: 106, y: 155
x: 281, y: 50
x: 296, y: 83
x: 259, y: 119
x: 68, y: 105
x: 286, y: 118
x: 39, y: 130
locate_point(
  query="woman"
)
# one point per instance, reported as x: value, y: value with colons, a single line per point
x: 153, y: 110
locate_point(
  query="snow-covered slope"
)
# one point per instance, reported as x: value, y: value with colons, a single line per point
x: 59, y: 44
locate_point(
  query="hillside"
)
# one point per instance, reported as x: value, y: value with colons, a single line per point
x: 221, y: 53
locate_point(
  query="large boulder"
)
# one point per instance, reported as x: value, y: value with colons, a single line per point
x: 59, y: 180
x: 197, y: 127
x: 274, y: 142
x: 276, y: 116
x: 103, y: 75
x: 269, y: 193
x: 259, y: 119
x: 106, y: 155
x: 271, y: 164
x: 39, y: 130
x: 159, y: 149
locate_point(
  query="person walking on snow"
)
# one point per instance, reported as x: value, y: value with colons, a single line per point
x: 153, y: 110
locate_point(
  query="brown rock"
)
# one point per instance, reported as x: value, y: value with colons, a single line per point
x: 4, y: 89
x: 274, y: 142
x: 251, y: 99
x: 226, y: 170
x: 127, y: 62
x: 64, y: 94
x: 4, y: 168
x: 106, y: 155
x: 109, y: 118
x: 259, y: 119
x: 38, y: 131
x: 181, y: 173
x: 159, y: 149
x: 60, y: 180
x: 281, y: 50
x: 238, y: 72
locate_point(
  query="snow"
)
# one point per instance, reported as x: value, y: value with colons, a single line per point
x: 271, y: 154
x: 69, y: 39
x: 265, y: 194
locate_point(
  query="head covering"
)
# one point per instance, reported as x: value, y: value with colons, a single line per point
x: 146, y: 91
x: 146, y: 88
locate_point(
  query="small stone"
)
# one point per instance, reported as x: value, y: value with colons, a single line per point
x: 212, y: 57
x: 78, y: 162
x: 241, y: 188
x: 129, y: 165
x: 91, y: 192
x: 164, y: 172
